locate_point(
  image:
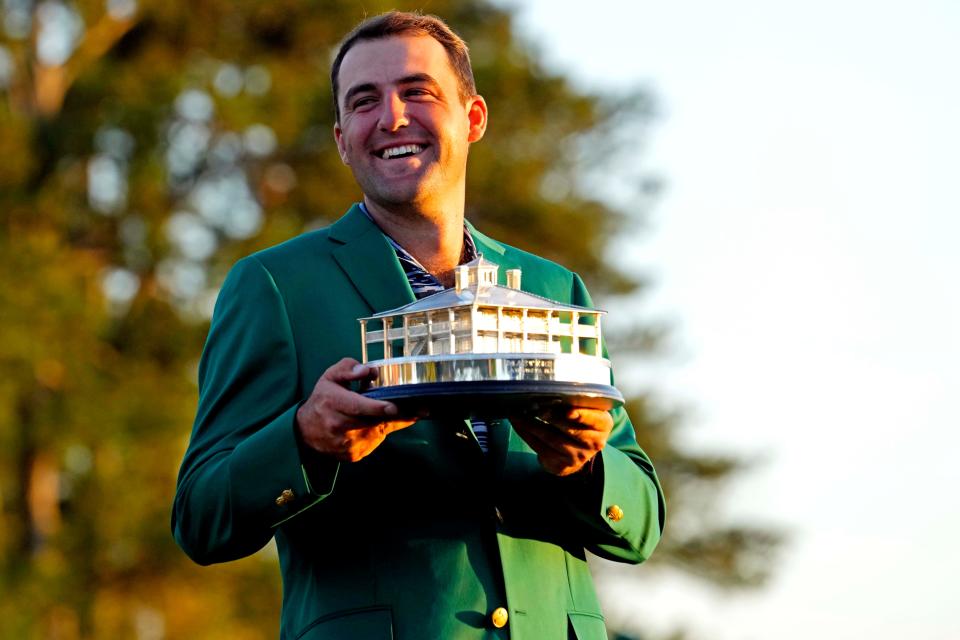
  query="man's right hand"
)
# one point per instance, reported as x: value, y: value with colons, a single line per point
x: 339, y: 422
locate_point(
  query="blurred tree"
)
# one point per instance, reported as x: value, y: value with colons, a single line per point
x: 146, y: 146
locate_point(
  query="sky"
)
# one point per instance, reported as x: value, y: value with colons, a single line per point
x: 805, y: 250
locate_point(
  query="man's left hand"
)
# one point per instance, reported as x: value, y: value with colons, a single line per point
x: 565, y: 439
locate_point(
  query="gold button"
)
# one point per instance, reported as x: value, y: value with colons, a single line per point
x: 285, y: 496
x: 615, y: 513
x: 499, y: 617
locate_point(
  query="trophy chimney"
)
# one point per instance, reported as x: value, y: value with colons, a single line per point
x: 513, y: 278
x: 460, y: 278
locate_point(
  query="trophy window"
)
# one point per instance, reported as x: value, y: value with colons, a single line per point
x: 486, y: 342
x: 512, y: 320
x: 486, y: 319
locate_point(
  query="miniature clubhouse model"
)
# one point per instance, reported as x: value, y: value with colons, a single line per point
x: 479, y: 348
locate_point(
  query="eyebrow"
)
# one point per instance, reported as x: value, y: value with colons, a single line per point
x: 413, y: 78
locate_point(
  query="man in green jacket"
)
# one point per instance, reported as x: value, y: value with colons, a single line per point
x: 389, y: 527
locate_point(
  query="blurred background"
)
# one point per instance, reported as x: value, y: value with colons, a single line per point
x: 762, y: 194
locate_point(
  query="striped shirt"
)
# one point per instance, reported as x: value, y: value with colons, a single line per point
x: 423, y: 283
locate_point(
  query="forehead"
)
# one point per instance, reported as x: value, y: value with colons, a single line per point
x: 386, y: 60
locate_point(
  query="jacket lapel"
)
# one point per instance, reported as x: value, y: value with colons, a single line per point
x: 491, y: 250
x: 370, y: 262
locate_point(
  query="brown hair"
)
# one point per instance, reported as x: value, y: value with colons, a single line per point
x: 399, y: 23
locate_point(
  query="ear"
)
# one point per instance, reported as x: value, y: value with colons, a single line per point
x: 341, y: 145
x: 477, y: 116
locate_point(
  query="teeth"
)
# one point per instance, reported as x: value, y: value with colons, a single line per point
x: 393, y: 152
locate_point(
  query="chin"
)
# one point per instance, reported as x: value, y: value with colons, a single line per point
x: 396, y: 194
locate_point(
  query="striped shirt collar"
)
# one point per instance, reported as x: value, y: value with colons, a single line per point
x: 422, y: 281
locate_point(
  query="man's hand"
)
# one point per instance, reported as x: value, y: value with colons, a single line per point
x: 566, y: 438
x: 339, y: 422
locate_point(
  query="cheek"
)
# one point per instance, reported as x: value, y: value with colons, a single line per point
x: 351, y: 137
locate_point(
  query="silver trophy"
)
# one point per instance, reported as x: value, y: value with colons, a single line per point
x: 483, y: 350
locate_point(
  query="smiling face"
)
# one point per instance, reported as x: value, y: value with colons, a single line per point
x: 404, y: 129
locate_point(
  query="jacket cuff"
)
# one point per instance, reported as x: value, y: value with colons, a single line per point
x: 624, y: 507
x: 267, y: 470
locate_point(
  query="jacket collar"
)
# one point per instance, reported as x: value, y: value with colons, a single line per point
x: 370, y: 262
x: 490, y: 248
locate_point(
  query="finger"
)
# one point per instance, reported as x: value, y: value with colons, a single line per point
x: 566, y: 435
x: 555, y: 459
x: 353, y: 405
x: 581, y: 418
x: 359, y: 407
x: 540, y: 441
x: 348, y: 370
x: 585, y: 439
x: 372, y: 374
x: 540, y: 436
x: 558, y: 452
x: 396, y: 425
x: 376, y: 424
x: 380, y: 431
x: 362, y: 441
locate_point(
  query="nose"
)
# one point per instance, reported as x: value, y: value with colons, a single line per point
x: 393, y: 113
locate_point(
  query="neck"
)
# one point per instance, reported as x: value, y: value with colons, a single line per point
x: 433, y: 236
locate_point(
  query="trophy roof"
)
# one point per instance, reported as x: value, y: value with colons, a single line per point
x: 494, y: 295
x: 480, y: 261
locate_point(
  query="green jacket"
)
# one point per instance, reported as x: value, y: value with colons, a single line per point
x: 425, y: 537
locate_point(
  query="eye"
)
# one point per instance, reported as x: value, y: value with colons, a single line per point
x: 418, y: 92
x: 362, y: 102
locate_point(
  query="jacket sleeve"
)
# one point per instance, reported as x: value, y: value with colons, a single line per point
x: 617, y: 504
x: 242, y: 474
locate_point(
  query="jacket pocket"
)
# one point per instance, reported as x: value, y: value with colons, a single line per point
x: 373, y: 623
x: 587, y: 626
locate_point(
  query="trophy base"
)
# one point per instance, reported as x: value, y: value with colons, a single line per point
x: 494, y: 398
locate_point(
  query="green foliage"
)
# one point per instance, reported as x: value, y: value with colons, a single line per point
x: 136, y: 170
